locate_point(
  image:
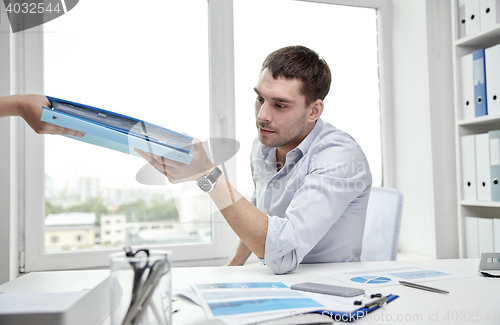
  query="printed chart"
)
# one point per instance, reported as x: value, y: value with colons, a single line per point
x: 372, y: 278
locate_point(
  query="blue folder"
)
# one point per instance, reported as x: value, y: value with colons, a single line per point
x: 354, y: 316
x: 479, y: 73
x: 118, y: 132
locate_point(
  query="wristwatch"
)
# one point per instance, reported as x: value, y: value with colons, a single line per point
x: 207, y: 182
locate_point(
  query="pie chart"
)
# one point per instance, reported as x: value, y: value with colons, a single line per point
x: 369, y: 279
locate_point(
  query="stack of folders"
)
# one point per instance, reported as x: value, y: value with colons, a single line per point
x: 482, y: 235
x: 475, y: 16
x: 118, y: 132
x: 481, y: 166
x: 480, y: 83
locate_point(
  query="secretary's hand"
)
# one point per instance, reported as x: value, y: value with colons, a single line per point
x: 30, y: 109
x: 177, y: 172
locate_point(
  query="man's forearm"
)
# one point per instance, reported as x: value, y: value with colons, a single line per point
x: 248, y: 222
x: 241, y: 255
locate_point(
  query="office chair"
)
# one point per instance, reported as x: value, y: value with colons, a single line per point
x: 383, y: 220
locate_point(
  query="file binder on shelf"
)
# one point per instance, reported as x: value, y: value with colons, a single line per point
x: 471, y: 238
x: 118, y: 132
x: 467, y: 87
x: 479, y: 82
x: 490, y: 13
x: 492, y: 58
x: 485, y: 235
x: 469, y: 167
x: 496, y: 235
x: 473, y: 15
x: 494, y: 137
x: 461, y: 18
x: 483, y: 167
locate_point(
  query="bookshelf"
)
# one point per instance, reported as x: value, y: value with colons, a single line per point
x: 477, y: 125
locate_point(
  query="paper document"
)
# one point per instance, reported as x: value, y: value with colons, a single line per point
x: 229, y: 299
x: 251, y: 302
x: 255, y: 302
x: 378, y: 277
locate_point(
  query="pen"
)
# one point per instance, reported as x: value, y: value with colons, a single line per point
x: 377, y: 302
x: 419, y: 286
x: 137, y: 310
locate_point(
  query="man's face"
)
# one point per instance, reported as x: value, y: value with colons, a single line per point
x: 280, y: 111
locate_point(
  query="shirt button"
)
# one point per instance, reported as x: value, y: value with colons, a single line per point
x: 270, y: 184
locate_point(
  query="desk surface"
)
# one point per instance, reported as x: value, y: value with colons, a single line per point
x: 471, y: 300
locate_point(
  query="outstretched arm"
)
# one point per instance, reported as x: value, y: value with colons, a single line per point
x: 248, y: 222
x: 29, y: 107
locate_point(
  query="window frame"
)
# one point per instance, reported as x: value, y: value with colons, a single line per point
x: 31, y: 148
x: 27, y: 77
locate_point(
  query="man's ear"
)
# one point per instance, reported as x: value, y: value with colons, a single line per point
x: 316, y: 108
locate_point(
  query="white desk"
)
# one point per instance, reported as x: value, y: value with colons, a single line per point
x: 473, y: 300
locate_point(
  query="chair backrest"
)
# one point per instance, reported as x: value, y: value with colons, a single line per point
x: 383, y: 220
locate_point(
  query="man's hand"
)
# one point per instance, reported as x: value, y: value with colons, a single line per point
x: 29, y: 107
x: 241, y: 256
x: 177, y: 172
x: 235, y: 263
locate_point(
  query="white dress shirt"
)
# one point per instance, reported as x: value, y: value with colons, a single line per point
x: 316, y: 204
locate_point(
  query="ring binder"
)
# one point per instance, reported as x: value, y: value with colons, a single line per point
x: 118, y: 132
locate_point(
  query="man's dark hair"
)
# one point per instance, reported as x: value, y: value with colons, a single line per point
x: 302, y: 63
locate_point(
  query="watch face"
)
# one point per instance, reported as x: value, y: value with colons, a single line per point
x: 205, y: 184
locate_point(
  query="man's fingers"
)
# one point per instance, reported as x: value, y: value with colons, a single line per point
x: 159, y: 166
x: 145, y: 155
x: 158, y: 162
x: 162, y: 160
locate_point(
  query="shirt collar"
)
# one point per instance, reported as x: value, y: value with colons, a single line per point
x: 308, y: 140
x: 303, y: 146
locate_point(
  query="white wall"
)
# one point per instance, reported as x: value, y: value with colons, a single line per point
x: 6, y: 224
x: 424, y: 144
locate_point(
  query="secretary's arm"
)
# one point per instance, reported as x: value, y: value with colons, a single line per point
x: 29, y: 107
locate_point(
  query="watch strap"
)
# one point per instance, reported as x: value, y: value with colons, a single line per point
x: 214, y: 175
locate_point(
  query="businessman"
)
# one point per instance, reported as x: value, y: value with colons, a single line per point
x: 312, y: 181
x: 29, y: 107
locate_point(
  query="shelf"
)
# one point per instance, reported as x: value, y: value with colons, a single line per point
x: 487, y: 119
x: 481, y: 40
x: 483, y: 204
x: 477, y: 125
x: 470, y: 126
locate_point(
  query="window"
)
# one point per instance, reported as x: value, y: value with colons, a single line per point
x: 54, y: 239
x: 127, y: 62
x: 79, y: 238
x: 346, y: 37
x: 153, y: 67
x: 134, y: 73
